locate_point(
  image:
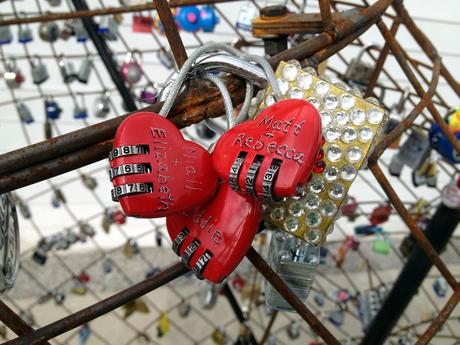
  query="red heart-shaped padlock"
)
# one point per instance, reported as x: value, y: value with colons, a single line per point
x: 155, y: 171
x: 272, y: 155
x: 213, y: 238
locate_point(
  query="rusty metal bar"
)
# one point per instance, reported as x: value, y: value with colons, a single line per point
x: 437, y: 323
x: 291, y: 297
x: 269, y: 327
x: 326, y: 15
x: 412, y: 275
x: 100, y: 308
x: 16, y: 324
x: 408, y: 121
x: 424, y: 42
x: 104, y: 11
x: 171, y: 31
x: 412, y: 225
x: 196, y: 104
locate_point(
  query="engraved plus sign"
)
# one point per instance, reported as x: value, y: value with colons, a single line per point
x: 176, y: 161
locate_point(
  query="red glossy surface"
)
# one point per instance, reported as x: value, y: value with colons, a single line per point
x: 181, y: 171
x: 225, y: 226
x: 289, y: 130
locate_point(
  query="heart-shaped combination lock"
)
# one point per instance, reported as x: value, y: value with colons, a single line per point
x: 155, y: 171
x: 273, y: 155
x: 212, y: 239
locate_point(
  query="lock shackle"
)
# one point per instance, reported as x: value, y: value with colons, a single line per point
x: 11, y: 64
x: 365, y: 48
x: 130, y: 56
x: 36, y: 60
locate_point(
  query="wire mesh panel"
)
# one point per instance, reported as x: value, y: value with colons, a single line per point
x: 90, y: 275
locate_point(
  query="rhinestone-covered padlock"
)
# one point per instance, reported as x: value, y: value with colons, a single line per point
x: 349, y: 126
x: 155, y: 171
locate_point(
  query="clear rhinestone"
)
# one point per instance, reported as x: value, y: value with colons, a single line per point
x: 349, y: 134
x: 316, y: 184
x: 330, y: 173
x: 312, y: 201
x: 304, y: 81
x: 313, y: 219
x: 284, y: 86
x: 295, y: 92
x: 312, y: 236
x: 328, y: 208
x: 365, y: 134
x: 375, y: 116
x: 289, y: 72
x: 291, y: 224
x: 326, y: 118
x: 341, y: 118
x: 334, y: 153
x: 347, y: 101
x: 269, y: 100
x: 336, y: 191
x: 277, y: 214
x: 353, y: 154
x: 372, y: 100
x: 314, y: 101
x: 331, y: 101
x: 332, y: 133
x: 322, y: 88
x: 357, y: 117
x: 296, y: 208
x: 348, y: 172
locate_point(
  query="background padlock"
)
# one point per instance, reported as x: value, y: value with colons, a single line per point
x: 80, y: 111
x: 166, y: 58
x: 54, y: 3
x: 247, y: 13
x: 52, y: 109
x: 108, y: 28
x: 49, y: 31
x: 6, y: 36
x: 131, y: 69
x: 85, y: 71
x: 12, y: 75
x: 101, y: 105
x: 25, y: 34
x: 295, y: 262
x: 415, y: 150
x: 208, y: 18
x: 67, y: 69
x: 39, y: 70
x: 149, y: 94
x: 359, y: 72
x: 24, y: 113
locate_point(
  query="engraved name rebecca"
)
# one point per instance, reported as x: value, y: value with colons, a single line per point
x: 187, y: 161
x: 273, y: 126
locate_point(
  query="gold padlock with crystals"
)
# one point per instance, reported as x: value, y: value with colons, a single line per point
x: 350, y: 128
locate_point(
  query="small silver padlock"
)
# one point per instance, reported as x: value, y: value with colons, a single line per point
x: 295, y: 261
x: 6, y: 36
x: 12, y: 75
x: 108, y: 28
x: 39, y: 70
x: 24, y: 113
x: 79, y: 30
x: 208, y: 295
x: 359, y: 72
x: 67, y: 70
x: 25, y: 34
x: 9, y: 243
x: 49, y: 31
x: 85, y: 71
x: 54, y: 3
x: 101, y: 105
x: 166, y: 58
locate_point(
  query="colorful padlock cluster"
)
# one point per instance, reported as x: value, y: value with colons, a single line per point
x: 213, y: 202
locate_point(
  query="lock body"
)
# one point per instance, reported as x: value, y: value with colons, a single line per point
x: 39, y: 72
x: 24, y: 113
x: 6, y: 36
x: 131, y: 72
x: 295, y: 262
x: 412, y: 153
x: 67, y: 70
x: 25, y: 35
x: 52, y: 109
x: 359, y: 72
x: 442, y: 145
x: 9, y: 243
x: 49, y: 32
x: 84, y: 71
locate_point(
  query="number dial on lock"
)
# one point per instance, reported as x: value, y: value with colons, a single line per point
x: 273, y: 154
x: 213, y: 238
x: 155, y: 171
